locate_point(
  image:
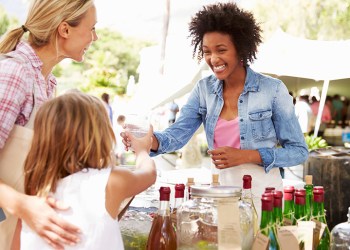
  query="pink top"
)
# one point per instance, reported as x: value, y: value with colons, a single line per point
x: 227, y: 133
x: 326, y: 113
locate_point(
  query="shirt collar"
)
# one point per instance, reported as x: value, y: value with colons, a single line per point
x: 28, y: 51
x: 251, y: 82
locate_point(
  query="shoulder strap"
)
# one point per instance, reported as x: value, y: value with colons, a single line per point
x: 4, y: 56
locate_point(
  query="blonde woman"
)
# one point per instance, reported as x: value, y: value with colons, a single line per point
x: 55, y: 30
x: 71, y: 158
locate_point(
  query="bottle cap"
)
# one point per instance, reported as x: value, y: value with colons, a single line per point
x: 269, y: 189
x: 215, y: 179
x: 190, y: 181
x: 318, y: 194
x: 289, y: 189
x: 288, y: 193
x: 318, y: 188
x: 308, y: 179
x: 268, y: 195
x: 179, y: 190
x: 164, y: 193
x: 266, y: 203
x: 300, y: 197
x: 247, y: 181
x: 300, y: 190
x: 277, y: 198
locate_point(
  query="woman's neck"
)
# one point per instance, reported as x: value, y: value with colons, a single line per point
x: 235, y: 82
x: 48, y: 57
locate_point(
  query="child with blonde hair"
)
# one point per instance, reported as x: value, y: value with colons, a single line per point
x: 52, y: 31
x: 71, y: 159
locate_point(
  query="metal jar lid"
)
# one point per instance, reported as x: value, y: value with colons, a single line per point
x: 216, y: 191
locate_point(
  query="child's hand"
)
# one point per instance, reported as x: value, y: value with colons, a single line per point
x: 139, y: 144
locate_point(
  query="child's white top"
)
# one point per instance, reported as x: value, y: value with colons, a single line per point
x: 85, y: 193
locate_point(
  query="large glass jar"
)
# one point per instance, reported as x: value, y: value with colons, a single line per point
x: 340, y: 235
x: 215, y: 218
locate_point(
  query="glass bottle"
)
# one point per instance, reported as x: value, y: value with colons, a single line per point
x: 309, y: 196
x: 299, y: 207
x: 247, y: 196
x: 318, y: 214
x: 288, y: 211
x: 267, y: 227
x: 162, y: 234
x: 190, y: 182
x: 277, y: 207
x: 340, y: 235
x: 179, y: 199
x: 270, y: 194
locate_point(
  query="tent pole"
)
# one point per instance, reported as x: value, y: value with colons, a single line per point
x: 321, y: 106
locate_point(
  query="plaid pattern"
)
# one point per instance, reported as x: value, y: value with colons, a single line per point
x: 18, y: 75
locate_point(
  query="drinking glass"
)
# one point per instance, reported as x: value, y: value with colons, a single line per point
x: 136, y: 124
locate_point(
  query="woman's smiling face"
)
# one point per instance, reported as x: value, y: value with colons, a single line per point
x: 220, y: 54
x: 81, y: 37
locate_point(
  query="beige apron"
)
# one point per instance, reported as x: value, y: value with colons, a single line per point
x: 234, y: 177
x: 12, y: 157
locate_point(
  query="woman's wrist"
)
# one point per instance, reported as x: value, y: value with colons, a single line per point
x: 252, y: 156
x: 14, y: 200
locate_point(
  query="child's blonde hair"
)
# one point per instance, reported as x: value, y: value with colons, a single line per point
x: 43, y: 19
x: 72, y: 132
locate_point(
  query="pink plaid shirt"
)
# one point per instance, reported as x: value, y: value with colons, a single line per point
x: 18, y: 75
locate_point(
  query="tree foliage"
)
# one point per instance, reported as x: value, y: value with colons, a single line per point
x: 108, y: 64
x: 112, y: 59
x: 6, y: 21
x: 312, y: 19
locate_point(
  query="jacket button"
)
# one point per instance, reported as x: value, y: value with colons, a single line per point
x: 242, y: 137
x: 241, y: 120
x: 241, y: 101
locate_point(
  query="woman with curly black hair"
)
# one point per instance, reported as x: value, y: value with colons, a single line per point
x: 249, y: 118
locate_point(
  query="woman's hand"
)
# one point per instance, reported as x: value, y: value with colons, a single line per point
x: 40, y: 216
x: 226, y: 157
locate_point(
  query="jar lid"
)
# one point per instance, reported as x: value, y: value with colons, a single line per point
x: 216, y: 191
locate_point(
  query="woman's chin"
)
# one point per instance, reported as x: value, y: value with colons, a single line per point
x: 79, y: 59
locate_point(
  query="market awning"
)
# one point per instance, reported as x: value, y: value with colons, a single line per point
x: 286, y: 55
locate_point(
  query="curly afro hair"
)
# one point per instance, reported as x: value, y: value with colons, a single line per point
x: 229, y: 19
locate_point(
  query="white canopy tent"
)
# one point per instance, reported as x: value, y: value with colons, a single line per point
x: 286, y: 55
x: 281, y: 55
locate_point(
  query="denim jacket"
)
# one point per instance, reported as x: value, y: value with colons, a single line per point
x: 267, y: 120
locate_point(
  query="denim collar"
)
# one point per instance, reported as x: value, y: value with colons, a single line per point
x: 251, y: 83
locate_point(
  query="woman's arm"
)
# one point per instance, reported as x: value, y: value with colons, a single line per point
x: 292, y: 150
x: 225, y: 157
x: 40, y: 216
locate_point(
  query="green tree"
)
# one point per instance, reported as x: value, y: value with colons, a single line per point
x: 6, y: 21
x: 316, y: 19
x: 108, y: 64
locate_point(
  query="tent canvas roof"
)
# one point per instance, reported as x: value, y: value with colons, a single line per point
x: 284, y: 54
